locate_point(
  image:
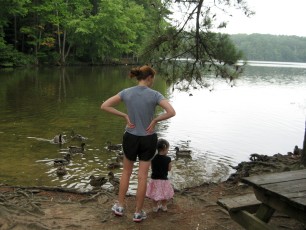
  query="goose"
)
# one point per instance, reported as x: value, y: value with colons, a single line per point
x: 62, y: 161
x: 58, y: 139
x: 113, y: 180
x: 97, y: 181
x: 113, y: 147
x: 182, y: 153
x: 61, y: 170
x: 77, y: 149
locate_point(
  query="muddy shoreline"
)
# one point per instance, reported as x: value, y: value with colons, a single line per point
x: 192, y: 208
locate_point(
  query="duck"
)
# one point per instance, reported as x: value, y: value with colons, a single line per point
x: 77, y: 137
x: 113, y: 180
x: 297, y: 150
x: 114, y: 165
x: 77, y: 149
x: 119, y: 157
x: 58, y: 139
x: 61, y: 171
x: 113, y: 147
x: 182, y: 153
x: 258, y: 157
x: 62, y: 161
x: 97, y: 181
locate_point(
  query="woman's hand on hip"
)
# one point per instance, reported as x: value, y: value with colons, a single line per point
x: 151, y: 127
x: 128, y: 122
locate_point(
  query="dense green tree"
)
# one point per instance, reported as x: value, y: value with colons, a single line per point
x: 10, y: 11
x: 108, y: 37
x: 54, y: 21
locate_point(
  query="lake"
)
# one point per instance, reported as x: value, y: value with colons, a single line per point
x: 263, y: 112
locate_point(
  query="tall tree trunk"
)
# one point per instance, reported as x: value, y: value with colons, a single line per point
x: 15, y: 32
x: 63, y: 57
x: 303, y: 158
x: 59, y: 39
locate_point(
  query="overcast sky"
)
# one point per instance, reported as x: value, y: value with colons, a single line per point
x: 279, y: 17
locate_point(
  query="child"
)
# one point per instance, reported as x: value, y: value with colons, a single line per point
x: 159, y: 188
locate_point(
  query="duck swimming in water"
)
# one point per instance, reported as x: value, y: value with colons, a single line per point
x: 182, y: 153
x: 77, y: 149
x: 61, y: 171
x: 97, y: 181
x: 113, y: 147
x: 62, y: 161
x: 77, y: 137
x: 114, y: 165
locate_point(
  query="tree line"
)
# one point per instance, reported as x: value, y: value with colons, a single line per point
x: 67, y: 31
x: 266, y: 47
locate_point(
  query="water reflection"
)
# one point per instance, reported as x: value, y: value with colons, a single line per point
x: 263, y: 112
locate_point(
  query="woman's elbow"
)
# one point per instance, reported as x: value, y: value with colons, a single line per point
x: 173, y: 113
x: 103, y: 106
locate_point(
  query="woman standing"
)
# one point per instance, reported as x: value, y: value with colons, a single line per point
x: 139, y: 140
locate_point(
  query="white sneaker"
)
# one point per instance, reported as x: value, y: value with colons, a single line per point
x: 138, y: 217
x: 118, y: 210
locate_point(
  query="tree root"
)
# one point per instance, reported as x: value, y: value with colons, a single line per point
x: 105, y: 193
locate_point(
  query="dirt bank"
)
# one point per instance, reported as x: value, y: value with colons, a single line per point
x: 193, y: 208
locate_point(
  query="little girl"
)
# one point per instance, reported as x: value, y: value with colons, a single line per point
x: 159, y: 188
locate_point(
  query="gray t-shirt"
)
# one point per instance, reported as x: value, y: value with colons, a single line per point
x: 140, y: 102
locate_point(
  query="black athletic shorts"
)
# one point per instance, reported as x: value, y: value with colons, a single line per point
x: 143, y: 147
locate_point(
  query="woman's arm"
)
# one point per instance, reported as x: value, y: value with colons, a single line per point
x: 169, y: 112
x: 109, y: 105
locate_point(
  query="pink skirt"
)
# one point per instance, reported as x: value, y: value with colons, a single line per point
x: 159, y: 190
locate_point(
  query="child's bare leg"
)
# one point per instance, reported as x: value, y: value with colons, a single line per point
x: 155, y: 206
x: 164, y: 205
x: 155, y: 203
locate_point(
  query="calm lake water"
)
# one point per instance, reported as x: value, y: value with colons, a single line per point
x: 263, y: 112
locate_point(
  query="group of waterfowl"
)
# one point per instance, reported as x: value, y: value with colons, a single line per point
x: 119, y: 158
x: 60, y: 163
x: 98, y: 181
x: 95, y: 181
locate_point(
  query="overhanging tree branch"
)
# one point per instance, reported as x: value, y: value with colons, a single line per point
x: 193, y: 47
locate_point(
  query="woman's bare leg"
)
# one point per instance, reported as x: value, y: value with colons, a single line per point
x: 142, y: 184
x: 125, y: 180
